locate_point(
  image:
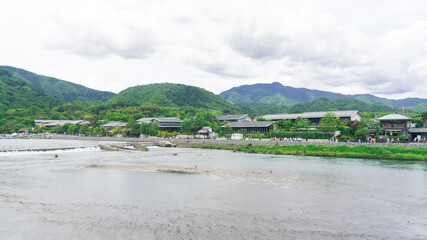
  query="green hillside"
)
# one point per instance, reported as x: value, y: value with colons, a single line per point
x: 62, y: 90
x: 174, y: 95
x: 274, y: 93
x: 16, y: 92
x: 262, y: 108
x: 324, y: 104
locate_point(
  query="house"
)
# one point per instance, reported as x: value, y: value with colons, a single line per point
x: 395, y: 124
x: 316, y: 117
x: 234, y: 118
x: 53, y: 123
x: 419, y: 133
x: 206, y: 132
x: 169, y: 124
x: 252, y: 127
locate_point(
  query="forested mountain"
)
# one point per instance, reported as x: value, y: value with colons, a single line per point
x: 17, y: 92
x: 276, y: 93
x: 262, y: 108
x: 324, y: 104
x: 62, y: 90
x: 174, y: 95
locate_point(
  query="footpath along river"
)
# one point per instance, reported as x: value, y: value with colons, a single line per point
x: 182, y: 193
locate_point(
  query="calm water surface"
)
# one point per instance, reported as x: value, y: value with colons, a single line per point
x: 43, y: 197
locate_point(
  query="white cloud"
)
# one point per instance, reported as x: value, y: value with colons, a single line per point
x: 346, y: 46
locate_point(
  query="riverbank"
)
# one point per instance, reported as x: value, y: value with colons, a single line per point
x: 186, y: 143
x: 366, y: 152
x: 322, y: 148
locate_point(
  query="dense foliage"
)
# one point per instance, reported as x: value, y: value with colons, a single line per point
x: 16, y: 92
x: 175, y: 95
x: 62, y: 90
x: 255, y: 109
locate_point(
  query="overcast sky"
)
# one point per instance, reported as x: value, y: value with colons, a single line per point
x: 377, y: 47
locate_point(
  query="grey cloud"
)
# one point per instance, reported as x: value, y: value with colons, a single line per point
x: 268, y: 46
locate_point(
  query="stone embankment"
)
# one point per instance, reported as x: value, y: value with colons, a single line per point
x: 151, y: 141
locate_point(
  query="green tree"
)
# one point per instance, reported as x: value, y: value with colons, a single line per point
x: 135, y: 130
x: 362, y: 133
x: 185, y: 125
x: 423, y: 116
x: 285, y: 125
x: 302, y: 123
x: 329, y: 123
x: 58, y: 129
x: 84, y: 129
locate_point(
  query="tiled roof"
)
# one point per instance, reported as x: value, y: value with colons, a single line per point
x: 114, y: 124
x: 169, y: 119
x: 231, y: 117
x: 160, y: 120
x: 394, y: 117
x: 249, y: 124
x: 340, y: 114
x: 418, y: 130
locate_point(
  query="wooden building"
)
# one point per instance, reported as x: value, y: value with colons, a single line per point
x: 316, y: 117
x: 395, y: 124
x: 252, y: 127
x: 234, y: 118
x: 169, y: 124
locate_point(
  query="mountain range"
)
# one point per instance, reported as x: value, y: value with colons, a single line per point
x: 277, y: 94
x: 23, y: 89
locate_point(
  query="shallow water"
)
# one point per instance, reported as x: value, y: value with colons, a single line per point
x: 43, y: 197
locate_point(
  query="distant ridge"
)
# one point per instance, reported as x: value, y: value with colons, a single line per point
x: 62, y: 90
x: 17, y: 92
x: 278, y: 94
x: 175, y: 95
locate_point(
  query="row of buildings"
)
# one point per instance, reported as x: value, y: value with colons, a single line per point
x: 393, y: 124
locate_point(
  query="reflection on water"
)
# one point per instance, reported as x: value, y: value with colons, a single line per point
x: 91, y: 194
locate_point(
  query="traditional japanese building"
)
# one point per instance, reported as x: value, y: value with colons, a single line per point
x: 316, y: 117
x: 252, y: 127
x: 169, y: 124
x: 234, y: 118
x: 395, y: 124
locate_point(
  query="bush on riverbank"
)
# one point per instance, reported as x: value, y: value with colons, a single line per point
x: 394, y: 153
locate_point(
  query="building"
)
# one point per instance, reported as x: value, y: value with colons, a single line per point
x: 169, y: 124
x: 252, y: 127
x: 234, y: 118
x: 206, y: 132
x: 395, y: 124
x: 419, y: 133
x: 316, y: 117
x: 53, y: 123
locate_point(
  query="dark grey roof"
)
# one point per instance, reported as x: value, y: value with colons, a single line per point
x: 418, y: 130
x: 114, y: 124
x: 340, y: 114
x: 231, y: 117
x: 160, y: 120
x: 249, y: 124
x: 168, y: 119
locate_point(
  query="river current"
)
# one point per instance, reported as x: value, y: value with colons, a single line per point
x: 87, y: 193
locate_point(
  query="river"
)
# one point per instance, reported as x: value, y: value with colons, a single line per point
x: 87, y: 193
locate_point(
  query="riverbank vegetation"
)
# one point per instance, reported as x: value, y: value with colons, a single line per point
x: 366, y: 152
